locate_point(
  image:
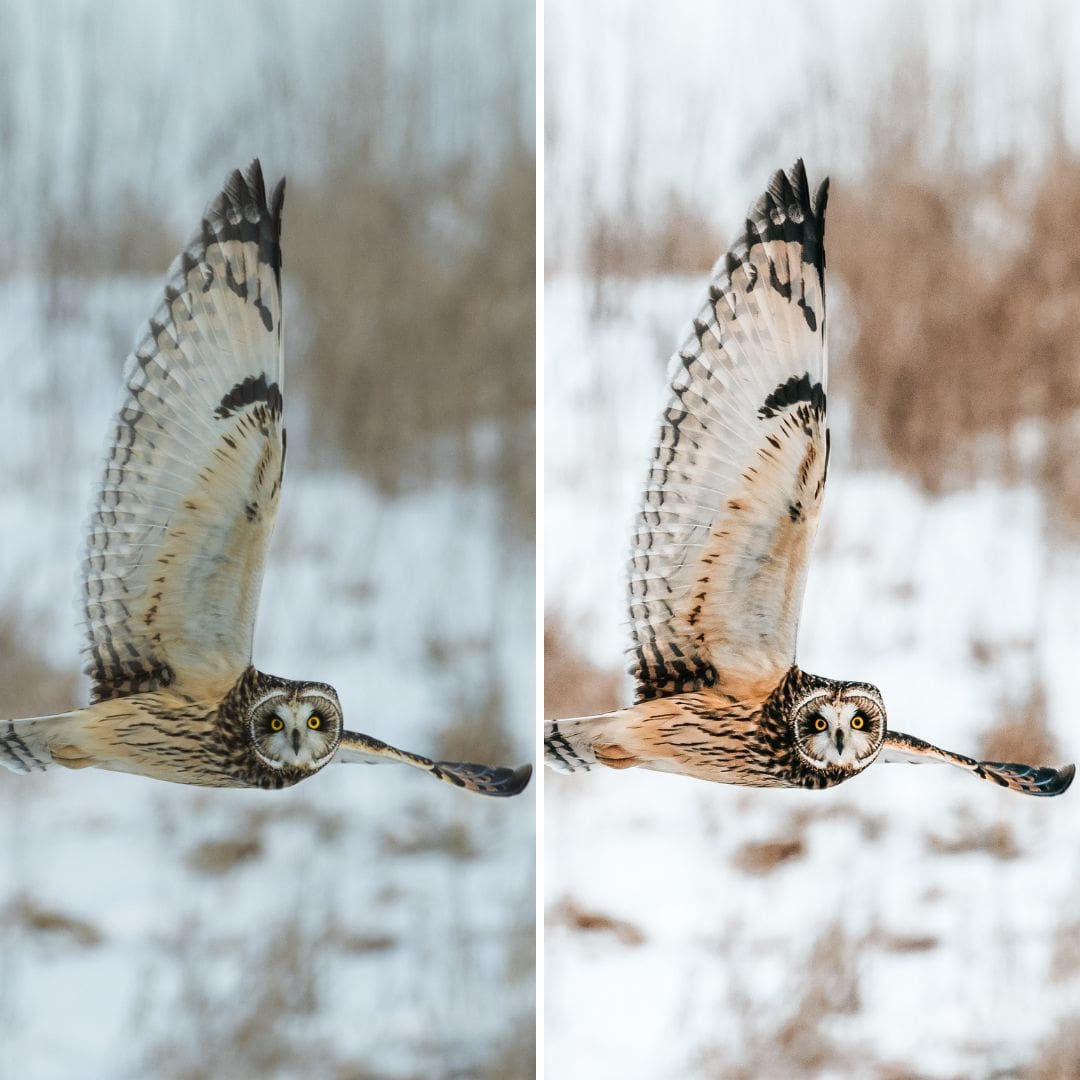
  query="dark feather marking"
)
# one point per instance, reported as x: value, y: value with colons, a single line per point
x: 788, y: 394
x: 252, y: 390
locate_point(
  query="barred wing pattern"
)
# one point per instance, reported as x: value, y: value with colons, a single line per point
x: 1030, y: 779
x: 483, y: 779
x: 730, y: 507
x: 177, y: 537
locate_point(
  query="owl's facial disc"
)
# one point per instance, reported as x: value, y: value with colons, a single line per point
x: 301, y: 730
x: 842, y: 728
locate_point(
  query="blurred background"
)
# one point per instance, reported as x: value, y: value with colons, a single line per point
x: 914, y: 922
x: 369, y: 923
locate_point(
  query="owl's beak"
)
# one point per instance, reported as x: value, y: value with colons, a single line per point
x: 296, y: 740
x: 839, y: 741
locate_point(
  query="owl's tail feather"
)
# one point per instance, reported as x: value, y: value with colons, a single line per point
x: 569, y: 745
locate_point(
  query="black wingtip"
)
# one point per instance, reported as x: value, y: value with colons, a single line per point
x: 1064, y: 778
x: 495, y: 780
x: 1029, y: 779
x: 515, y: 783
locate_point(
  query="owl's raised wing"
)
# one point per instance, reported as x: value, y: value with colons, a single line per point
x: 1030, y: 779
x: 178, y: 533
x: 483, y: 779
x: 730, y: 507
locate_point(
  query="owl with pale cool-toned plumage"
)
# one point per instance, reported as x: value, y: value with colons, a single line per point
x: 177, y: 540
x: 722, y: 544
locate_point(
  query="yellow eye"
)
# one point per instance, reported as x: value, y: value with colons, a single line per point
x: 820, y: 724
x: 858, y: 721
x: 314, y: 721
x: 277, y: 724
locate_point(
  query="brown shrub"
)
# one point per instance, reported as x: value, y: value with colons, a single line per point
x: 30, y: 686
x: 569, y: 913
x: 1058, y: 1056
x: 216, y: 857
x: 766, y: 856
x: 572, y: 686
x: 1021, y: 733
x: 28, y: 914
x: 996, y: 840
x: 421, y: 295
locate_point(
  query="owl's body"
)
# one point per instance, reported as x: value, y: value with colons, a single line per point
x: 708, y: 735
x: 722, y: 545
x: 166, y: 737
x: 177, y: 539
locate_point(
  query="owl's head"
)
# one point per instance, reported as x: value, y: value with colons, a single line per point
x: 296, y: 728
x: 840, y: 727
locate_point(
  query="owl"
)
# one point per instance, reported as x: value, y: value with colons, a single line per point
x: 177, y: 540
x: 722, y: 543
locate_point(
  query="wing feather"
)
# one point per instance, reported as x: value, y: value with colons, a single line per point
x: 730, y: 505
x: 483, y: 779
x: 181, y: 521
x: 1029, y: 779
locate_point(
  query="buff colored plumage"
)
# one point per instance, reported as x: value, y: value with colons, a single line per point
x: 177, y: 539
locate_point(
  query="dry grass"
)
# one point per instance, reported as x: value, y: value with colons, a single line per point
x: 264, y: 1020
x: 420, y: 832
x: 27, y: 914
x: 1058, y: 1056
x: 906, y: 943
x: 963, y: 288
x: 571, y: 914
x: 475, y: 728
x: 31, y: 687
x: 1065, y: 963
x: 572, y: 686
x: 216, y: 857
x: 420, y: 290
x: 959, y: 334
x: 414, y: 255
x: 515, y: 1056
x: 971, y: 836
x: 768, y: 855
x: 826, y: 987
x: 671, y: 238
x: 1021, y: 733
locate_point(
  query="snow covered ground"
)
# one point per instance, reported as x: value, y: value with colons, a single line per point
x: 914, y: 921
x: 368, y: 922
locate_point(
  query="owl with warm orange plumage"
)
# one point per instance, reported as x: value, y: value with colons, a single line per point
x: 722, y: 544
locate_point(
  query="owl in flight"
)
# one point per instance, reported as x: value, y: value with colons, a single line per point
x: 177, y: 541
x: 722, y: 543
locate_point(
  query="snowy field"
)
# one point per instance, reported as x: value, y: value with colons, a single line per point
x: 369, y: 922
x: 913, y: 922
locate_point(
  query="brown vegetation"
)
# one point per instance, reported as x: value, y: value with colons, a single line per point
x: 961, y: 312
x: 27, y: 914
x: 1021, y: 733
x: 31, y: 687
x: 216, y: 857
x: 768, y: 855
x: 1058, y: 1055
x: 969, y: 835
x: 420, y: 292
x: 796, y: 1042
x: 572, y: 686
x: 569, y: 913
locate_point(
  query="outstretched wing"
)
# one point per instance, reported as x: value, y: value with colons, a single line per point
x: 484, y: 779
x: 1030, y: 779
x: 179, y: 529
x: 24, y: 744
x: 730, y: 508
